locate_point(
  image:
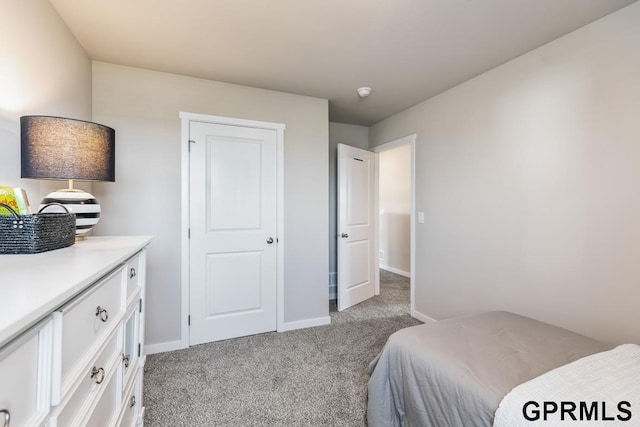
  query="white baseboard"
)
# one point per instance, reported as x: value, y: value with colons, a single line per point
x: 163, y: 347
x: 307, y: 323
x: 422, y: 317
x: 333, y: 285
x: 397, y: 271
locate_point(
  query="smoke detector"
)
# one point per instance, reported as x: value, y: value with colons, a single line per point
x: 363, y: 92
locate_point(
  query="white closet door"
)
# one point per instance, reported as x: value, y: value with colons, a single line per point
x: 233, y: 219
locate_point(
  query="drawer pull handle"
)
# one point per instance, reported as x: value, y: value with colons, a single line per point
x: 6, y: 416
x: 102, y: 313
x: 125, y: 359
x: 132, y: 273
x: 97, y: 374
x: 132, y: 402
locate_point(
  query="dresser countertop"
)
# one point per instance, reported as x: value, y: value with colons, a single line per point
x: 33, y: 286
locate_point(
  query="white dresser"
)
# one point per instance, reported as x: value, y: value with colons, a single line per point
x: 72, y: 335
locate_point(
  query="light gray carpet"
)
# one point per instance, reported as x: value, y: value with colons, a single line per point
x: 309, y: 377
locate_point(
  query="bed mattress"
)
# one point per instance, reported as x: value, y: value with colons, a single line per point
x: 455, y: 372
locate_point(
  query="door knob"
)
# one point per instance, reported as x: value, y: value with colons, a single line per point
x: 270, y: 240
x: 344, y: 236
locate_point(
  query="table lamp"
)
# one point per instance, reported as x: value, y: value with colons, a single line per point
x: 61, y: 148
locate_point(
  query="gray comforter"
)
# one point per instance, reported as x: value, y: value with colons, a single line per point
x: 455, y: 372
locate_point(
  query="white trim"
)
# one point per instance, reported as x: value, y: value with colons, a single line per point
x: 306, y: 323
x: 163, y: 347
x: 406, y: 274
x: 279, y: 128
x: 230, y: 121
x: 280, y: 225
x: 184, y: 234
x: 376, y: 227
x: 409, y: 139
x: 422, y: 317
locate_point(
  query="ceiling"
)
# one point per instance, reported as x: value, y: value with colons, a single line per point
x: 406, y: 50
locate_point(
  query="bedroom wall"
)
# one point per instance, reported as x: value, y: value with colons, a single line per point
x: 143, y: 106
x: 528, y: 176
x: 395, y: 209
x: 356, y: 136
x: 43, y: 70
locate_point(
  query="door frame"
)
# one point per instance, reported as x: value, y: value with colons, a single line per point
x: 411, y: 140
x: 186, y: 119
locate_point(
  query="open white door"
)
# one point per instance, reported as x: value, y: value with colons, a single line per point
x: 233, y: 224
x: 357, y: 263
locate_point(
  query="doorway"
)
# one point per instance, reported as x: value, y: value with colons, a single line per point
x: 396, y: 205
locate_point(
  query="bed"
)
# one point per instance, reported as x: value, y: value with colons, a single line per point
x: 456, y: 372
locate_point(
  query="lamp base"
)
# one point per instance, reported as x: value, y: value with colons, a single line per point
x: 81, y: 203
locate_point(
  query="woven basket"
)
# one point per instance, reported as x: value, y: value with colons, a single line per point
x: 31, y: 234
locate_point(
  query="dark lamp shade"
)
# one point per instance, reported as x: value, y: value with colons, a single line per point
x: 59, y: 148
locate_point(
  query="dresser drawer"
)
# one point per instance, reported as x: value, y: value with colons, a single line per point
x: 85, y: 324
x: 23, y: 386
x: 130, y: 405
x: 134, y: 269
x: 105, y: 413
x: 96, y: 378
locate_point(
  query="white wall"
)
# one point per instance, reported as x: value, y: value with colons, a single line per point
x: 143, y: 107
x: 43, y: 70
x: 356, y: 136
x: 529, y: 179
x: 395, y: 209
